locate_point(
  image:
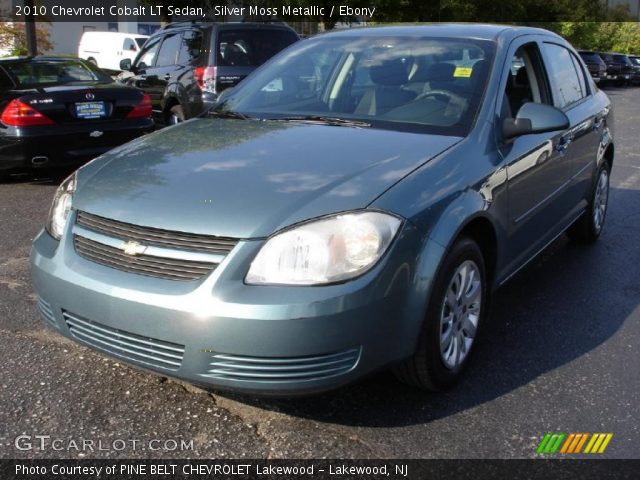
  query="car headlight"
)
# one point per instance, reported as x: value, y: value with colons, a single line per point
x: 61, y: 207
x: 324, y: 251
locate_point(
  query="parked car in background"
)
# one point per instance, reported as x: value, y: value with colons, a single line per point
x: 185, y: 66
x: 635, y: 60
x: 58, y: 111
x: 619, y: 68
x: 108, y: 49
x: 596, y: 66
x: 350, y: 206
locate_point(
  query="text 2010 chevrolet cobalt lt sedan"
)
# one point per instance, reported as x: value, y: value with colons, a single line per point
x: 349, y: 207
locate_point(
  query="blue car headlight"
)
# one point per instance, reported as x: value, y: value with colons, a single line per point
x: 328, y: 250
x: 61, y: 207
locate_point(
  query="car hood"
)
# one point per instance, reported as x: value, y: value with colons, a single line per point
x: 245, y: 178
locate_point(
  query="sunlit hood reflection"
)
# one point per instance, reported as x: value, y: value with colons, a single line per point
x: 246, y: 178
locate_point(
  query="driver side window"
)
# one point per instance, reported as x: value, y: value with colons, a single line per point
x: 147, y: 57
x: 525, y: 81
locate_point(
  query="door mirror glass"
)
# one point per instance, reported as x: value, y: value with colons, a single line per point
x: 535, y: 118
x: 125, y: 64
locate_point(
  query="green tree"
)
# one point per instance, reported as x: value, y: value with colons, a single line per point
x: 13, y: 37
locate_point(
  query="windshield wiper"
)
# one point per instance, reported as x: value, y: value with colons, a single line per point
x: 320, y: 119
x: 228, y: 114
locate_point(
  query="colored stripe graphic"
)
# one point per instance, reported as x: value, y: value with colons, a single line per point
x: 551, y: 442
x: 572, y: 443
x: 598, y: 443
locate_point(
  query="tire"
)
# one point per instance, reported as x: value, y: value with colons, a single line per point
x: 175, y: 115
x: 588, y: 227
x: 433, y: 367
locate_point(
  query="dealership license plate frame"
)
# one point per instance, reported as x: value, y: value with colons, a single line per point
x: 90, y: 110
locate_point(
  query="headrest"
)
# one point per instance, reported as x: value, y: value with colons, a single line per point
x: 522, y: 78
x: 390, y: 72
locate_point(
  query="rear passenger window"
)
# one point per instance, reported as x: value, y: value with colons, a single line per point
x: 244, y: 47
x: 564, y: 78
x: 581, y: 75
x: 5, y: 82
x: 190, y: 47
x: 169, y: 51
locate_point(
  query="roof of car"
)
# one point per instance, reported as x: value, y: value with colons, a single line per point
x: 461, y: 30
x: 38, y: 57
x: 225, y: 25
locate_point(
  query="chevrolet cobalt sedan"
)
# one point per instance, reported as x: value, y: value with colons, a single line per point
x: 351, y: 206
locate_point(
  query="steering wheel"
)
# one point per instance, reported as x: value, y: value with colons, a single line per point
x: 444, y: 95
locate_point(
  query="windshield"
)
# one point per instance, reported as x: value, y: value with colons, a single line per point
x: 621, y: 59
x: 140, y: 41
x: 41, y: 72
x: 432, y: 85
x: 635, y: 60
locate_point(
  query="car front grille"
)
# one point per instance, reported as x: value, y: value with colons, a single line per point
x: 145, y: 350
x: 174, y: 266
x: 155, y: 236
x: 161, y: 267
x: 281, y: 369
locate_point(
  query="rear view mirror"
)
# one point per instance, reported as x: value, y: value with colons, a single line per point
x: 125, y: 64
x: 535, y: 118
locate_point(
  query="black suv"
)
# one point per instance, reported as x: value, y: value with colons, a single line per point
x: 619, y: 67
x: 595, y: 64
x: 185, y: 66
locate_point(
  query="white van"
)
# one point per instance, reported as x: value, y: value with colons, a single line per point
x: 106, y: 49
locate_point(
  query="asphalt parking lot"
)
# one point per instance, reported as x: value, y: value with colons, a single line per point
x: 561, y: 352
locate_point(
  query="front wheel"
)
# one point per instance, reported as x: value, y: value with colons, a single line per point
x: 456, y: 308
x: 588, y: 227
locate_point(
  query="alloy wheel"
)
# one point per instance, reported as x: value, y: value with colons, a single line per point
x: 600, y: 199
x: 461, y: 311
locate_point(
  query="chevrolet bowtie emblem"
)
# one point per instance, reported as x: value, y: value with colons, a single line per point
x: 133, y: 248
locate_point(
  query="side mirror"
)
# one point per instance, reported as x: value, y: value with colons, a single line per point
x: 125, y: 64
x: 534, y: 118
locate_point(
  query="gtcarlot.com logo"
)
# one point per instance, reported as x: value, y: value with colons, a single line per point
x: 568, y: 443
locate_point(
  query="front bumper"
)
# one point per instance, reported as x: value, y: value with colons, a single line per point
x: 218, y: 332
x: 61, y: 145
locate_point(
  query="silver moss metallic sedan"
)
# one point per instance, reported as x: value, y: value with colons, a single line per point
x: 349, y: 207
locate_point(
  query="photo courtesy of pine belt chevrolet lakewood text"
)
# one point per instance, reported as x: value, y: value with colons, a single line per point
x: 348, y: 207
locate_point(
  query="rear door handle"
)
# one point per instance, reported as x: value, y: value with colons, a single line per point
x: 167, y: 76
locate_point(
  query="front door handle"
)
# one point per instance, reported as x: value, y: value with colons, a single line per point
x: 563, y: 144
x: 597, y: 123
x: 167, y: 76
